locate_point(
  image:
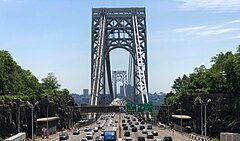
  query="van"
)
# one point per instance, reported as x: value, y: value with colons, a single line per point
x: 150, y: 135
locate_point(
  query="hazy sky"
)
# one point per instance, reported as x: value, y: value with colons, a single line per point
x: 54, y: 36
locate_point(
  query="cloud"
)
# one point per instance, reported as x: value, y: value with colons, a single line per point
x: 213, y: 5
x: 234, y: 21
x: 217, y: 31
x: 210, y: 30
x: 187, y: 29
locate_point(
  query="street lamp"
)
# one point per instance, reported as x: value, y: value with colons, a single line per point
x: 201, y: 102
x: 181, y: 114
x: 205, y: 108
x: 32, y: 107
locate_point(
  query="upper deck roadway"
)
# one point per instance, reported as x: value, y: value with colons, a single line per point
x: 161, y: 131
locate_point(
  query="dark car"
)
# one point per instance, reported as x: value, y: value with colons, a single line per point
x: 142, y: 122
x: 167, y: 138
x: 124, y: 124
x: 64, y: 136
x: 134, y: 129
x: 123, y: 121
x: 132, y: 125
x: 127, y: 134
x: 76, y: 132
x: 99, y: 138
x: 155, y: 133
x: 150, y: 135
x: 141, y: 139
x: 149, y: 126
x: 125, y: 128
x: 136, y: 123
x: 141, y: 127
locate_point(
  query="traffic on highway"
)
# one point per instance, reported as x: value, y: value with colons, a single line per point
x: 120, y: 127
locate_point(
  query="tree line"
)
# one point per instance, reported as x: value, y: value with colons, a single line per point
x: 222, y: 77
x: 17, y: 83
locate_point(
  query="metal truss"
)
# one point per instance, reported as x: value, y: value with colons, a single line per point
x: 118, y: 28
x: 119, y: 76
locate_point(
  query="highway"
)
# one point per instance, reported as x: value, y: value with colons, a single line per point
x: 134, y: 135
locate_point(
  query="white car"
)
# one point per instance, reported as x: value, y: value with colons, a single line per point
x: 86, y: 128
x: 89, y: 135
x: 158, y: 140
x: 84, y: 139
x: 144, y: 131
x: 95, y: 129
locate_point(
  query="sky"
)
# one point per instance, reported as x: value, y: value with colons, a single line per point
x: 46, y: 36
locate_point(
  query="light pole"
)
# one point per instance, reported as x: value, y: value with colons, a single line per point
x: 32, y: 107
x: 205, y: 108
x: 201, y: 102
x: 181, y: 114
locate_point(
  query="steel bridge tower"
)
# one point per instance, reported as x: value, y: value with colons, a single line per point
x: 116, y: 77
x: 118, y: 28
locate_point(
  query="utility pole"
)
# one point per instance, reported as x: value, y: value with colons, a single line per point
x: 201, y: 102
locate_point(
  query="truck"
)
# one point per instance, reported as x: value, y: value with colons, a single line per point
x: 110, y: 134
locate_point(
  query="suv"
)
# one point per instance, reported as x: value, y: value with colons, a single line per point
x: 141, y: 139
x: 134, y: 129
x: 149, y: 126
x: 127, y: 134
x: 141, y: 127
x: 167, y: 138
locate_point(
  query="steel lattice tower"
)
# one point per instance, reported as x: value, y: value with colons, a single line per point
x: 116, y: 77
x: 118, y: 28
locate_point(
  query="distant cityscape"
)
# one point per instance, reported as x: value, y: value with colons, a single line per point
x: 156, y: 98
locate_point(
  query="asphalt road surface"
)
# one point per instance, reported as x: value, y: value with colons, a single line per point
x: 116, y: 120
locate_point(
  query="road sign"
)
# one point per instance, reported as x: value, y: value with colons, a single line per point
x: 144, y: 107
x: 139, y: 107
x: 131, y: 107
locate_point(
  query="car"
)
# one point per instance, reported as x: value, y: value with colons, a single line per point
x: 76, y: 132
x: 136, y: 123
x: 167, y: 138
x: 89, y: 135
x: 95, y: 129
x: 134, y: 119
x: 84, y: 139
x: 150, y: 135
x: 123, y: 121
x: 141, y: 127
x: 63, y: 136
x: 124, y: 124
x: 127, y: 134
x: 102, y: 134
x: 98, y: 122
x: 116, y: 121
x: 86, y: 129
x: 91, y: 130
x: 158, y: 140
x: 155, y: 133
x: 134, y: 129
x: 144, y: 131
x: 149, y: 126
x: 125, y: 128
x: 141, y: 138
x: 128, y: 139
x: 132, y: 125
x: 142, y: 122
x: 99, y: 138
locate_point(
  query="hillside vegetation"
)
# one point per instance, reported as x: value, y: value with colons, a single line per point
x: 17, y: 83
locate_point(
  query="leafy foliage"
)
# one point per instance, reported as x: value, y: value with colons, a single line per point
x: 222, y: 77
x: 17, y: 83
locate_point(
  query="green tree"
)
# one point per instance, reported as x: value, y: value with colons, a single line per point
x: 50, y: 84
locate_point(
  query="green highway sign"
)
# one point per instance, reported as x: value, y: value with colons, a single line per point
x: 131, y: 107
x: 139, y: 107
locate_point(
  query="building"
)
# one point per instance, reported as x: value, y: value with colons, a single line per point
x: 85, y: 92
